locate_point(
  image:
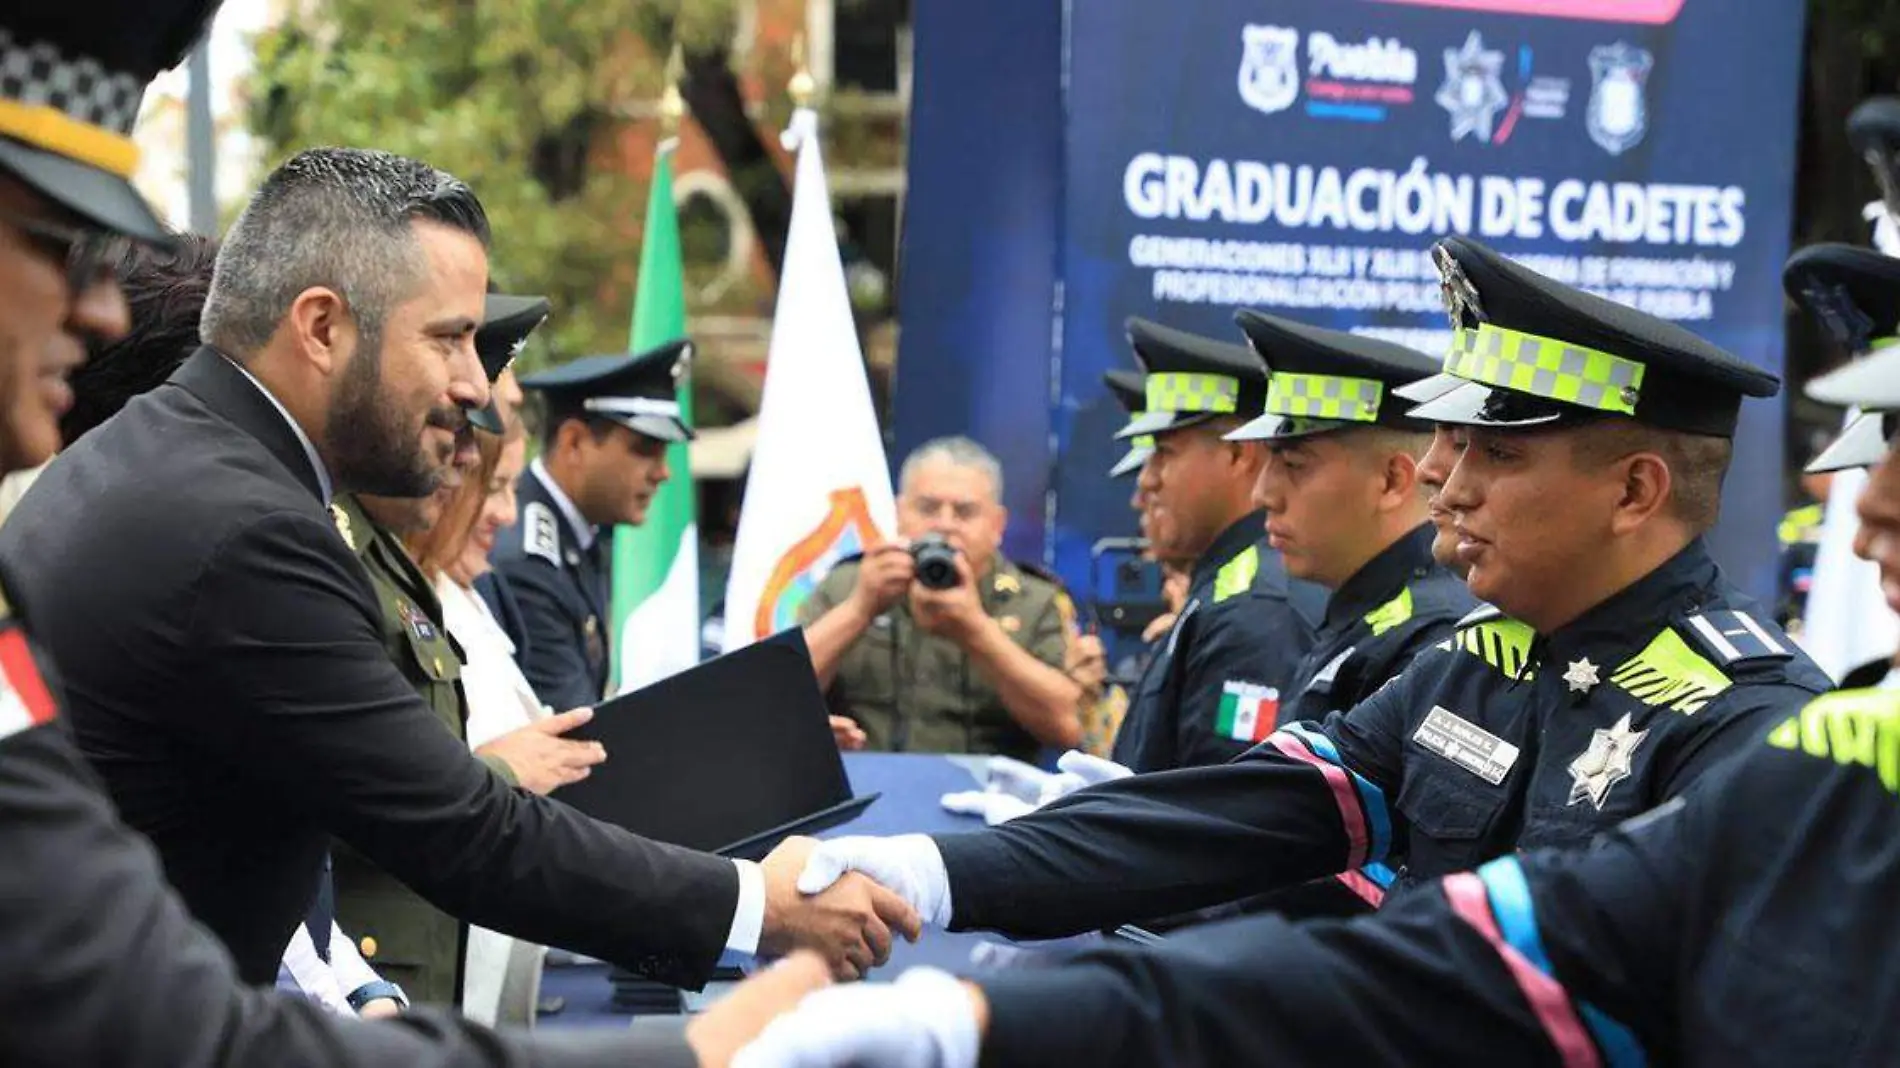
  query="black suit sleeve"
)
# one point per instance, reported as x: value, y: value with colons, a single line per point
x: 554, y: 662
x: 1306, y: 803
x: 313, y: 706
x: 1457, y: 973
x: 105, y: 967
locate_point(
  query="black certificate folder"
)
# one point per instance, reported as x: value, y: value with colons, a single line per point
x: 730, y: 756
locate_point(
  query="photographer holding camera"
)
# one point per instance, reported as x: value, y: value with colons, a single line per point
x: 934, y: 643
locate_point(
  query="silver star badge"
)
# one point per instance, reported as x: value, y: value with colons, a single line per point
x: 1473, y: 93
x: 1581, y: 676
x: 1608, y: 761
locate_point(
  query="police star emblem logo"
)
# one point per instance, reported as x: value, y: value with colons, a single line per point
x: 1473, y: 93
x: 1455, y: 289
x: 1618, y: 115
x: 1608, y: 760
x: 1269, y: 76
x: 1581, y: 676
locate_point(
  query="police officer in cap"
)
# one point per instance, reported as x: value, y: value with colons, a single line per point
x: 1131, y: 392
x: 607, y: 424
x: 1617, y: 668
x: 1343, y: 503
x: 1748, y: 921
x: 1210, y: 693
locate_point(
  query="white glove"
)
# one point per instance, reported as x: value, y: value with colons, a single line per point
x: 1014, y: 788
x: 924, y: 1020
x: 1090, y: 768
x: 907, y: 865
x: 992, y: 808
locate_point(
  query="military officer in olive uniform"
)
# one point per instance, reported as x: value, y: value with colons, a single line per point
x: 974, y: 668
x: 605, y: 429
x: 409, y: 941
x: 1593, y: 440
x: 1213, y: 689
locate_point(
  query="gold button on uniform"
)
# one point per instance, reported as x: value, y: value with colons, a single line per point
x: 368, y: 947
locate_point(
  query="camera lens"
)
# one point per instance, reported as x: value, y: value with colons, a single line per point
x: 935, y: 562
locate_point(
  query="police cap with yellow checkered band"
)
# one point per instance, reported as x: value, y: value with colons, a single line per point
x: 1189, y: 379
x: 1131, y: 393
x: 72, y: 73
x: 1535, y: 352
x: 1321, y: 380
x: 1854, y: 293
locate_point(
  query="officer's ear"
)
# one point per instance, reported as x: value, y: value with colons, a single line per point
x: 1399, y: 485
x: 1647, y: 487
x: 321, y: 330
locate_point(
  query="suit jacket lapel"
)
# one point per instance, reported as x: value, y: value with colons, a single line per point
x: 210, y: 376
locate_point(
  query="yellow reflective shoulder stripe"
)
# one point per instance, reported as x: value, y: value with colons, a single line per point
x: 1390, y: 614
x: 1237, y: 575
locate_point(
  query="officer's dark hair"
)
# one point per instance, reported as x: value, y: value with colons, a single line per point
x: 556, y: 413
x: 1696, y: 462
x: 165, y: 294
x: 338, y: 218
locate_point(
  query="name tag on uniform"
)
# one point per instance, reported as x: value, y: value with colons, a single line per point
x: 1467, y: 745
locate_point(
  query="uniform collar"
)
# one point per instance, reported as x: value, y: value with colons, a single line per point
x: 1633, y: 615
x: 1233, y: 541
x: 584, y: 532
x: 1383, y: 576
x: 326, y: 490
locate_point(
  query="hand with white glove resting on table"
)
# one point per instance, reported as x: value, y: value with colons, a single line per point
x: 1014, y: 788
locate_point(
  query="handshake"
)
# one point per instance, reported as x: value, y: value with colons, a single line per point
x: 852, y: 893
x: 845, y: 898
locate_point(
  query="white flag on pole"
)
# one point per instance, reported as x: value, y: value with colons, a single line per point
x: 819, y: 488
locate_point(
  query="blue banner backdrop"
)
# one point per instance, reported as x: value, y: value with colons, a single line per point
x: 1300, y: 156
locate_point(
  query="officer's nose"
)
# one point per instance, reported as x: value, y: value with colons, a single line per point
x: 468, y: 383
x: 1461, y: 491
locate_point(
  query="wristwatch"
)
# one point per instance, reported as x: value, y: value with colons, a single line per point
x: 381, y: 988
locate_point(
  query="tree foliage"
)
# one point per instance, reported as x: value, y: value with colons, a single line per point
x: 523, y: 99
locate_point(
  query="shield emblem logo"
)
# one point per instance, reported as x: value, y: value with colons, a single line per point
x: 1618, y: 116
x: 1269, y: 67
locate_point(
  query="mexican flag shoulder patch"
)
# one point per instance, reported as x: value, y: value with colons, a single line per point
x: 24, y: 699
x: 1247, y: 711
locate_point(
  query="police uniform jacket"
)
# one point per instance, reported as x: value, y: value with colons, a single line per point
x: 84, y: 906
x: 562, y: 593
x: 1495, y: 740
x: 1750, y: 922
x: 411, y: 941
x: 1399, y: 604
x: 228, y: 679
x: 918, y: 692
x: 1212, y: 690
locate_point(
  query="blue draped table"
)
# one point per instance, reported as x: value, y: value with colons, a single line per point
x: 911, y: 785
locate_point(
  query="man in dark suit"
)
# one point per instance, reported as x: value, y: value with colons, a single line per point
x: 606, y: 425
x: 105, y: 965
x: 227, y: 674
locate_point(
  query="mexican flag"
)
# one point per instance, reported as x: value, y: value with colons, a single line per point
x: 1247, y: 711
x: 656, y: 565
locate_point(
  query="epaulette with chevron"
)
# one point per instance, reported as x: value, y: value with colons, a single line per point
x: 1495, y: 638
x: 1850, y: 727
x: 1669, y: 674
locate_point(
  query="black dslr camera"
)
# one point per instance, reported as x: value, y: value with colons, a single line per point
x: 935, y: 562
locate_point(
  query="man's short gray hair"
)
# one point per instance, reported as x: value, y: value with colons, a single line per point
x: 958, y: 451
x: 337, y: 218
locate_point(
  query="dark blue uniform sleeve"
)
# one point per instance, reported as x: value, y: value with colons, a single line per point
x: 1485, y: 968
x: 554, y: 660
x: 1244, y: 640
x: 1311, y: 801
x: 106, y: 967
